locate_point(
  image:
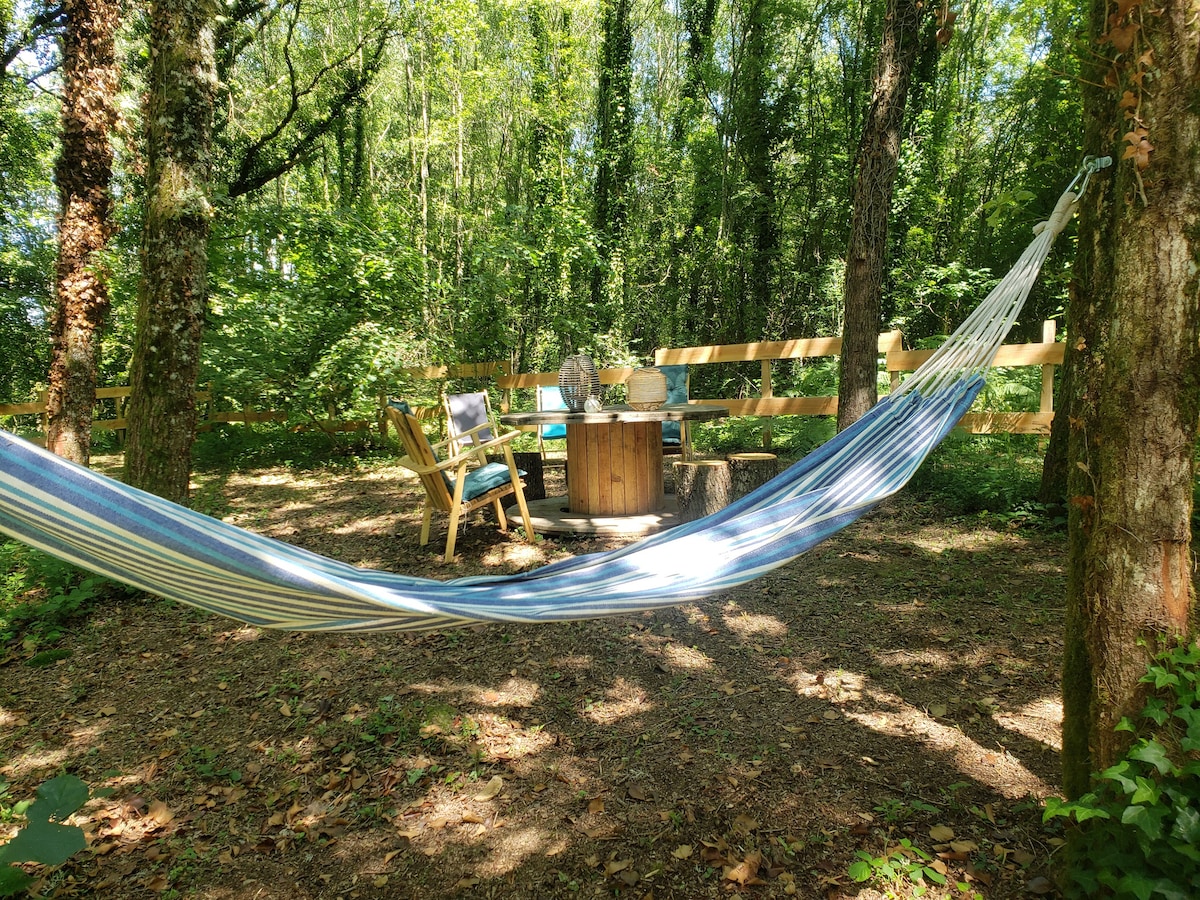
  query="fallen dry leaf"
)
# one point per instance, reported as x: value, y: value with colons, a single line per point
x: 491, y: 790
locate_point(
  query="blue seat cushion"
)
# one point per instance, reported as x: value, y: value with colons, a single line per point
x: 479, y: 481
x: 553, y: 432
x: 677, y: 392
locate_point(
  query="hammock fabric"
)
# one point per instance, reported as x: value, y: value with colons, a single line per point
x: 129, y: 535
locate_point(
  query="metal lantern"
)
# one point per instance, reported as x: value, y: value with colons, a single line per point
x: 647, y: 388
x: 578, y: 379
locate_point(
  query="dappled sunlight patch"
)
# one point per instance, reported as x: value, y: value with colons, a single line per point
x: 622, y: 699
x: 915, y: 661
x: 10, y: 718
x: 501, y: 738
x: 1039, y: 720
x: 29, y: 764
x: 510, y: 847
x: 677, y: 656
x: 998, y: 769
x: 832, y: 686
x: 747, y: 625
x: 513, y: 692
x: 515, y: 554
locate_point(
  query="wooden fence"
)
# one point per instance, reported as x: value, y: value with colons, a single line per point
x: 766, y: 404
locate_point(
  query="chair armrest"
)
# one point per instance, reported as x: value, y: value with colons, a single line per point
x: 497, y: 441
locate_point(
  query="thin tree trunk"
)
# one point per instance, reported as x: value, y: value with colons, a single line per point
x: 878, y: 164
x: 166, y: 356
x: 84, y: 175
x: 1134, y: 331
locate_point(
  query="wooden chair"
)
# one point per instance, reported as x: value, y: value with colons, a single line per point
x: 468, y: 489
x: 549, y: 397
x: 469, y: 414
x: 677, y: 436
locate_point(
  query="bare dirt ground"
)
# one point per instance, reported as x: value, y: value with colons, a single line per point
x: 893, y: 692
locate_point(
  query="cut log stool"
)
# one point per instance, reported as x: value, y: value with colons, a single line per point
x: 701, y: 487
x: 534, y: 480
x: 750, y: 470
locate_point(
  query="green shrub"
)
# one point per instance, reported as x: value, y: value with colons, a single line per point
x: 1138, y: 832
x: 40, y: 595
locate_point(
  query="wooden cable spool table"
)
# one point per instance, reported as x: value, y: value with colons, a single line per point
x: 615, y: 456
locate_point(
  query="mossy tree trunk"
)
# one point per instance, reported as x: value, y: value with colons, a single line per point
x: 84, y: 176
x: 1133, y: 332
x: 878, y: 163
x: 166, y: 354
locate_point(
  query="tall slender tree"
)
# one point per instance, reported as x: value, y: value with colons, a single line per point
x: 614, y: 149
x: 84, y: 176
x: 166, y: 357
x: 1135, y: 341
x: 877, y: 165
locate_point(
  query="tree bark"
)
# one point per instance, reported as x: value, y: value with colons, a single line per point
x: 614, y: 153
x: 1134, y: 332
x: 878, y: 164
x: 171, y: 301
x: 84, y: 176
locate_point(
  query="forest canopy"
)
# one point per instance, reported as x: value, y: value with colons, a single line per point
x: 480, y: 179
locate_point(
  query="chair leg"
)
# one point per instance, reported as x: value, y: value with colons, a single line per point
x: 519, y: 490
x: 501, y: 519
x: 452, y: 536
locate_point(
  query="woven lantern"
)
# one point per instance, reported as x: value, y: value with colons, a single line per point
x: 647, y: 388
x: 578, y: 379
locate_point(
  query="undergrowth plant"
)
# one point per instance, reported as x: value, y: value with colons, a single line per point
x: 43, y: 839
x: 1137, y: 833
x: 39, y: 596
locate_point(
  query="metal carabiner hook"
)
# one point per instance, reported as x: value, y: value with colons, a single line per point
x: 1091, y: 165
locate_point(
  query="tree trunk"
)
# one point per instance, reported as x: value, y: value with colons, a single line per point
x: 1134, y: 330
x: 878, y: 163
x: 614, y: 154
x: 755, y: 144
x: 166, y: 354
x: 84, y: 174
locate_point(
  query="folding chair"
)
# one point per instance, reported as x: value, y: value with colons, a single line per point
x: 468, y: 489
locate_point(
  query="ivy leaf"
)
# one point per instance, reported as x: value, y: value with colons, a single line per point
x: 1152, y: 752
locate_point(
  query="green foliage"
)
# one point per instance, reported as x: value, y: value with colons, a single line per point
x: 904, y: 861
x: 43, y: 839
x: 1138, y: 830
x: 972, y: 474
x: 40, y: 596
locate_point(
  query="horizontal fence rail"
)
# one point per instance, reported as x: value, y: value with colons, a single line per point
x: 1048, y: 354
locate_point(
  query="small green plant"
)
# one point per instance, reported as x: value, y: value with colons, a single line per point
x: 42, y: 839
x: 40, y: 596
x: 1138, y: 833
x: 905, y: 860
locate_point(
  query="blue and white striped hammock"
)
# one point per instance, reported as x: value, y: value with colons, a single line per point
x: 102, y: 525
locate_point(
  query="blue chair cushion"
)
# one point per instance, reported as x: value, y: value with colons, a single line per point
x: 479, y: 481
x: 677, y: 392
x: 551, y: 398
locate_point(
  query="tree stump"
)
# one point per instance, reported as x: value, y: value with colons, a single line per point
x: 750, y: 470
x: 535, y: 483
x: 701, y: 487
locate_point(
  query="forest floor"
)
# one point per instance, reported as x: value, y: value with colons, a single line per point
x: 895, y: 691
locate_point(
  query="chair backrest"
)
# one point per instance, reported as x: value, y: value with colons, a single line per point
x: 549, y: 397
x: 677, y: 392
x: 420, y: 451
x: 467, y: 411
